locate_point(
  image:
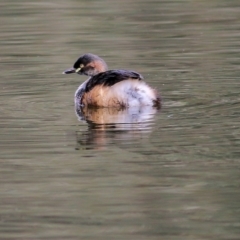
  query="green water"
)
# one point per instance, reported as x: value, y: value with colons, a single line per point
x: 169, y: 174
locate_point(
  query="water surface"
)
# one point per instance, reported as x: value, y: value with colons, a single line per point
x: 168, y: 174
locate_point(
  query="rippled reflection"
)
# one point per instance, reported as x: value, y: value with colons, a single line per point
x: 106, y: 124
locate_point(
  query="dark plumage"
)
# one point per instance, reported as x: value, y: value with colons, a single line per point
x: 110, y: 78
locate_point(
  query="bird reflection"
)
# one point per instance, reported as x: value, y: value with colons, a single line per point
x: 107, y: 126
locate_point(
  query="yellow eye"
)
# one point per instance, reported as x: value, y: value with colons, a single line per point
x: 80, y: 67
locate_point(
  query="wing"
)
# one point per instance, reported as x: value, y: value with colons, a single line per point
x: 111, y: 77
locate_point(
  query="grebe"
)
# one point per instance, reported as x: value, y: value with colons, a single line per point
x: 111, y: 88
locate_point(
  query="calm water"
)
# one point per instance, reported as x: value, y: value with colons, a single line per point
x: 134, y: 174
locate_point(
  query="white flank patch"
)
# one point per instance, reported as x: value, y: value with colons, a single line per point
x: 133, y: 93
